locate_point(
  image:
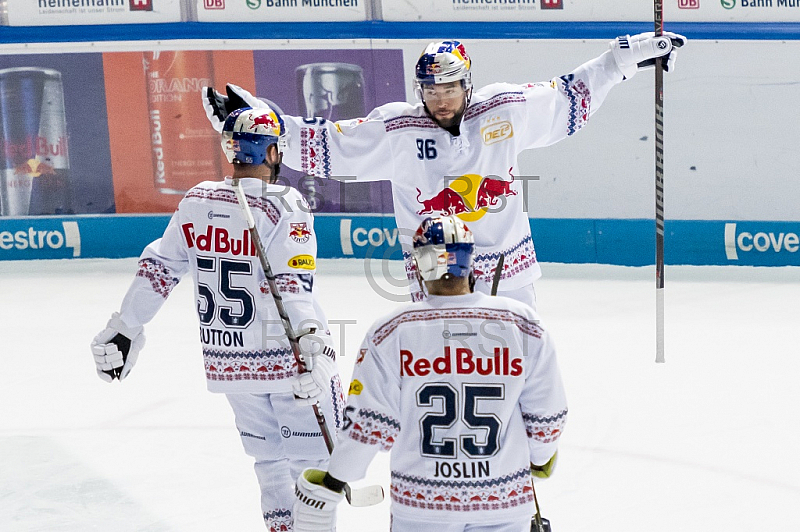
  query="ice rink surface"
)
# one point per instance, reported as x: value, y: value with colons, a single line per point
x: 707, y: 442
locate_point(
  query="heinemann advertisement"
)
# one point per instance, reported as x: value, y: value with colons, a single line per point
x: 580, y: 10
x: 71, y: 12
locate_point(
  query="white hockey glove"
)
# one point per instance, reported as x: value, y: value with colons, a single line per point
x: 116, y: 349
x: 309, y: 387
x: 218, y: 107
x: 315, y: 505
x: 640, y: 52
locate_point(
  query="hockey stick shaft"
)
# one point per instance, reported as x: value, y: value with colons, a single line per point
x: 658, y: 11
x: 498, y: 272
x: 291, y: 334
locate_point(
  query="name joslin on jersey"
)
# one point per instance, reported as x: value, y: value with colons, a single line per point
x: 219, y: 240
x: 461, y: 361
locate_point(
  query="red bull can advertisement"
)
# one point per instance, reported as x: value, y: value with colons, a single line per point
x: 35, y: 176
x: 184, y: 150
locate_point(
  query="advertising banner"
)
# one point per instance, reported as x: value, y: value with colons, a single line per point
x: 161, y: 141
x: 75, y: 237
x: 281, y: 10
x: 580, y: 10
x: 73, y: 12
x: 53, y: 136
x: 335, y: 85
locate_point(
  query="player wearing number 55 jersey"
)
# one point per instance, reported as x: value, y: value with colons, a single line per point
x: 245, y: 350
x: 465, y: 391
x: 455, y: 152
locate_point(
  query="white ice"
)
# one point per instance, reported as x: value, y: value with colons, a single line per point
x: 709, y: 441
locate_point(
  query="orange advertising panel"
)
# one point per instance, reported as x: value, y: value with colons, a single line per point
x: 160, y: 139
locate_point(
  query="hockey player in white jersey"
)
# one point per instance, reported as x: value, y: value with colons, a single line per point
x: 455, y: 152
x: 245, y: 350
x: 465, y: 391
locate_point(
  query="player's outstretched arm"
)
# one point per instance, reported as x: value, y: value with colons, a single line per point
x: 640, y: 52
x: 116, y: 348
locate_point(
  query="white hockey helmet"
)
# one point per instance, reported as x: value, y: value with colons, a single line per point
x: 443, y: 246
x: 248, y: 132
x: 443, y: 62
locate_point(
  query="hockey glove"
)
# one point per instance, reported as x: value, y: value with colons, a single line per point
x: 315, y: 505
x: 219, y: 106
x: 640, y: 52
x: 116, y: 349
x: 308, y: 387
x: 544, y: 471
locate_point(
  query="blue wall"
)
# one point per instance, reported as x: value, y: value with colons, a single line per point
x: 623, y: 242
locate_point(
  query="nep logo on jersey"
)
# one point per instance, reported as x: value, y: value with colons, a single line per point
x: 141, y: 5
x: 305, y: 262
x: 300, y: 233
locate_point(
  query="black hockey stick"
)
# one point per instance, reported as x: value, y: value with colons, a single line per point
x: 539, y: 524
x: 498, y: 272
x: 659, y: 96
x: 366, y: 496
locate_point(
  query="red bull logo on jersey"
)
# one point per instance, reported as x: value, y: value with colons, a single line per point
x: 469, y: 197
x: 219, y: 240
x: 461, y: 361
x: 299, y: 232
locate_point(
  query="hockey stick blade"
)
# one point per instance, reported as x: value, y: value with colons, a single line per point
x: 366, y: 496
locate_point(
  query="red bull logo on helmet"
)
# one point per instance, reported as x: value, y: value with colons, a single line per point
x: 469, y: 197
x: 269, y: 121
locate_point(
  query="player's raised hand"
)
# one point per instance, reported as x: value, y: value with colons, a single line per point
x: 315, y: 505
x: 219, y: 106
x: 640, y: 52
x: 308, y: 387
x: 116, y: 349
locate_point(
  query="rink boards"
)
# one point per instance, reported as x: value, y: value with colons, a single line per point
x: 627, y: 242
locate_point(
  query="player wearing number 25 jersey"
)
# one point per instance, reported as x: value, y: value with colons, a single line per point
x: 464, y: 390
x: 245, y: 350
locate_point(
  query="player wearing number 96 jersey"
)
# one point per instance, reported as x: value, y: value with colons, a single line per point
x: 455, y: 151
x: 463, y: 389
x: 245, y: 349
